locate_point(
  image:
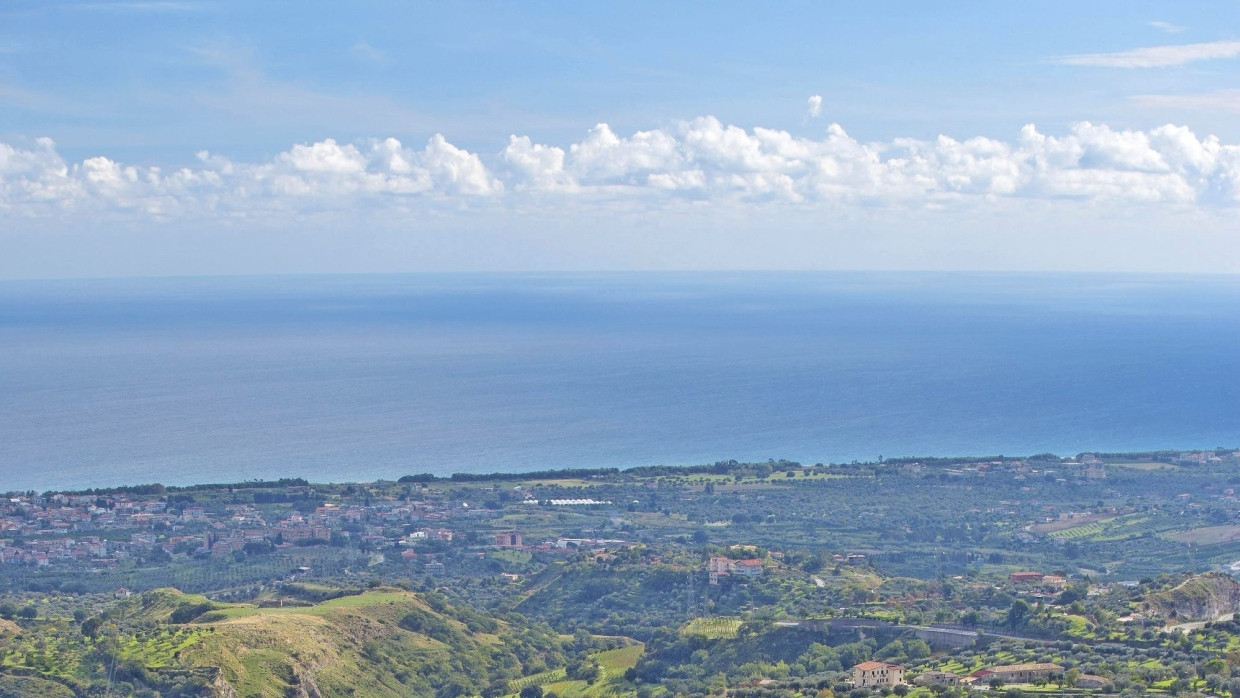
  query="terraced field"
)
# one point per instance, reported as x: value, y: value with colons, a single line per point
x: 713, y: 628
x: 155, y: 647
x: 541, y: 679
x: 1119, y: 528
x: 612, y: 665
x: 1092, y: 528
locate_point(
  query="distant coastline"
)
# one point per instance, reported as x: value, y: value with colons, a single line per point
x: 1083, y: 460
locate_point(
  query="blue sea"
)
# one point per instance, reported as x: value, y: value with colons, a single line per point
x: 357, y: 378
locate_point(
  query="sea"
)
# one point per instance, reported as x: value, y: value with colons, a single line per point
x: 360, y: 378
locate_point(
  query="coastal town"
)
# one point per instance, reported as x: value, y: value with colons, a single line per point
x: 416, y: 521
x: 102, y: 531
x: 981, y: 574
x: 89, y: 530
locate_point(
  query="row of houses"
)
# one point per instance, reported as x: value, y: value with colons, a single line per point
x: 883, y: 674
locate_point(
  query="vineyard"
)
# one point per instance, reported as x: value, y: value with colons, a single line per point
x: 1115, y: 529
x: 714, y: 628
x: 612, y: 665
x: 1092, y: 528
x: 541, y: 679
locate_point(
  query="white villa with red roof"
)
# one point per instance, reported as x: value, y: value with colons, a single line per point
x: 722, y: 567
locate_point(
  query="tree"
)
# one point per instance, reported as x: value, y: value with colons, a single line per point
x: 1018, y: 613
x: 583, y: 670
x: 90, y: 626
x: 532, y: 691
x: 916, y: 649
x: 1071, y: 676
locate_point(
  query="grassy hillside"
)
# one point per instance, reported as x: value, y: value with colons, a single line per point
x: 361, y: 644
x: 25, y: 686
x: 385, y: 642
x: 380, y: 642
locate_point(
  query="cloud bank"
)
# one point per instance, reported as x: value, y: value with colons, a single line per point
x: 697, y: 161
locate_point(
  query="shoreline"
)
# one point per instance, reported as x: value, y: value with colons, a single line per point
x: 1084, y: 459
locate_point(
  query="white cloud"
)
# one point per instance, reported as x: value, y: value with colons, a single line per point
x: 324, y: 156
x: 1166, y: 26
x: 702, y: 160
x: 605, y: 158
x: 1155, y: 56
x: 536, y: 165
x: 815, y: 106
x: 456, y: 171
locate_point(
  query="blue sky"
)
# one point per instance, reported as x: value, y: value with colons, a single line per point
x: 154, y: 137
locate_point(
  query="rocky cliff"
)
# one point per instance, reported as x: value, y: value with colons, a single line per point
x: 1200, y: 597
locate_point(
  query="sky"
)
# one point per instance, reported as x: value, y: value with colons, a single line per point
x: 171, y: 137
